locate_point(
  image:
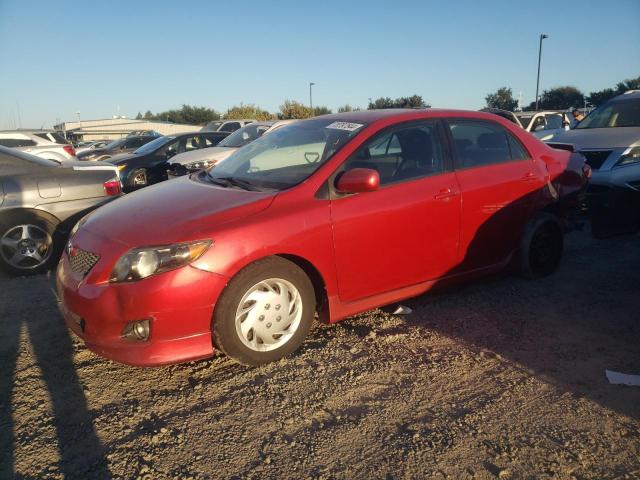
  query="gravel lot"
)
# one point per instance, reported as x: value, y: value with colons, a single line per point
x: 503, y: 378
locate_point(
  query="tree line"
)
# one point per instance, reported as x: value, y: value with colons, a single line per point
x: 290, y: 109
x: 561, y: 98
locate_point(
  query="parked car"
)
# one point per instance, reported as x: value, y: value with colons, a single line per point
x: 336, y: 214
x: 226, y: 125
x: 543, y: 125
x: 609, y: 138
x: 117, y: 147
x: 144, y: 133
x: 148, y: 164
x: 40, y: 200
x: 195, y: 160
x: 85, y: 146
x: 41, y: 143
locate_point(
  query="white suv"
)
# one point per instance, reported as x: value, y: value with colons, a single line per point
x: 227, y: 125
x: 41, y: 143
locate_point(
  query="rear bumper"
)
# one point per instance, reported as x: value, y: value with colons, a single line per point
x: 178, y: 304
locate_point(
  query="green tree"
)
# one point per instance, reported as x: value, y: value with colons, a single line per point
x: 560, y: 98
x: 628, y: 84
x: 601, y: 96
x: 502, y: 99
x: 413, y: 101
x: 186, y: 114
x: 290, y: 109
x: 238, y: 112
x: 380, y: 103
x: 139, y: 116
x: 148, y: 115
x: 321, y: 111
x: 345, y: 108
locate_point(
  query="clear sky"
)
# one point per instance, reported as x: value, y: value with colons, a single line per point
x: 103, y: 58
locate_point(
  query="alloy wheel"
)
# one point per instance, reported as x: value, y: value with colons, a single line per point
x: 26, y: 247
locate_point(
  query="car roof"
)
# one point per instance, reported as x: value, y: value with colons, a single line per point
x: 372, y: 116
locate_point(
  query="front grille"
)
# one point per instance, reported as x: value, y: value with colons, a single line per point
x: 82, y: 261
x: 595, y: 158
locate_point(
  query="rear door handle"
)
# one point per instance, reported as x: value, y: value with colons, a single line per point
x: 529, y: 176
x: 444, y: 194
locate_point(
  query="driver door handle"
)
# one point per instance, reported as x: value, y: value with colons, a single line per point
x: 444, y: 194
x: 529, y: 176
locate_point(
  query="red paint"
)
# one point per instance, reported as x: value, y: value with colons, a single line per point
x: 370, y: 249
x: 358, y: 180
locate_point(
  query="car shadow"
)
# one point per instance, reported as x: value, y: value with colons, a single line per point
x: 81, y: 453
x: 565, y: 328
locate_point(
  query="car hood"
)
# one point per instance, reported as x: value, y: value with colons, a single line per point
x: 618, y: 137
x: 216, y: 154
x: 179, y: 210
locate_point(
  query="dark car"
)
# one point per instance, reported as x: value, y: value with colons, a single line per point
x: 40, y: 201
x: 123, y: 145
x: 148, y: 164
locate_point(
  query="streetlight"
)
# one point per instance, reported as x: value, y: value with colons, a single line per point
x: 542, y: 37
x: 311, y: 84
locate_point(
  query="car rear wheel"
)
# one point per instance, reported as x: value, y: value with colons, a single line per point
x: 26, y: 244
x: 542, y: 246
x: 265, y: 312
x: 139, y: 178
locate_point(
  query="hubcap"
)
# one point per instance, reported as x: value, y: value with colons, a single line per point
x: 140, y: 179
x: 25, y: 246
x: 268, y: 314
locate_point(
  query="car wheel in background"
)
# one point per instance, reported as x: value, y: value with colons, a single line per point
x: 27, y: 244
x: 138, y: 178
x: 265, y: 312
x: 542, y: 245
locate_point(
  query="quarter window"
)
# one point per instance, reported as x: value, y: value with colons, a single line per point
x: 478, y: 143
x: 402, y: 154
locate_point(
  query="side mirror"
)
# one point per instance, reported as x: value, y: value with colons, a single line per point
x: 358, y: 180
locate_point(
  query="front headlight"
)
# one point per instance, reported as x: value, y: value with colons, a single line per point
x: 199, y: 165
x: 143, y: 262
x: 629, y: 156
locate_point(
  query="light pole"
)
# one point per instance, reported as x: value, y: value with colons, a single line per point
x: 542, y: 37
x: 311, y: 84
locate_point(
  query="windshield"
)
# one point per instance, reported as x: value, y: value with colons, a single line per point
x: 618, y: 113
x: 151, y: 146
x: 245, y: 135
x: 115, y: 143
x: 524, y: 120
x: 212, y: 126
x: 286, y: 156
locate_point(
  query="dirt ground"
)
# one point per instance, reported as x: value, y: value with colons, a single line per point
x: 502, y: 378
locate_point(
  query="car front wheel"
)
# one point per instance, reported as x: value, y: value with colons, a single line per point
x: 542, y: 245
x: 265, y: 312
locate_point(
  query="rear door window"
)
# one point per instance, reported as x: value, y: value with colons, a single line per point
x: 477, y: 143
x: 230, y: 127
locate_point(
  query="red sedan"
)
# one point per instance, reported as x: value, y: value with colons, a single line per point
x: 333, y: 215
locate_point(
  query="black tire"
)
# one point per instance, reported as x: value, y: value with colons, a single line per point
x: 139, y: 178
x: 10, y: 222
x: 541, y: 246
x: 225, y: 335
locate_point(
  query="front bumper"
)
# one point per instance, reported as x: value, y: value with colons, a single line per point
x: 179, y: 305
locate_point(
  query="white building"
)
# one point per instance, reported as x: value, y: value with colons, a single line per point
x: 114, y: 128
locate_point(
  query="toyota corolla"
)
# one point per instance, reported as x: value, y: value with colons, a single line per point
x: 323, y: 218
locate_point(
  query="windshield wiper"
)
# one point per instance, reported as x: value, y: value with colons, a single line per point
x: 232, y: 182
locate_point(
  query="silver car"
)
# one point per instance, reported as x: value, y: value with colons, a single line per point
x: 40, y: 201
x: 609, y: 138
x: 42, y: 143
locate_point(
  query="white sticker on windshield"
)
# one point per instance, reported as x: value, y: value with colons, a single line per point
x: 350, y: 127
